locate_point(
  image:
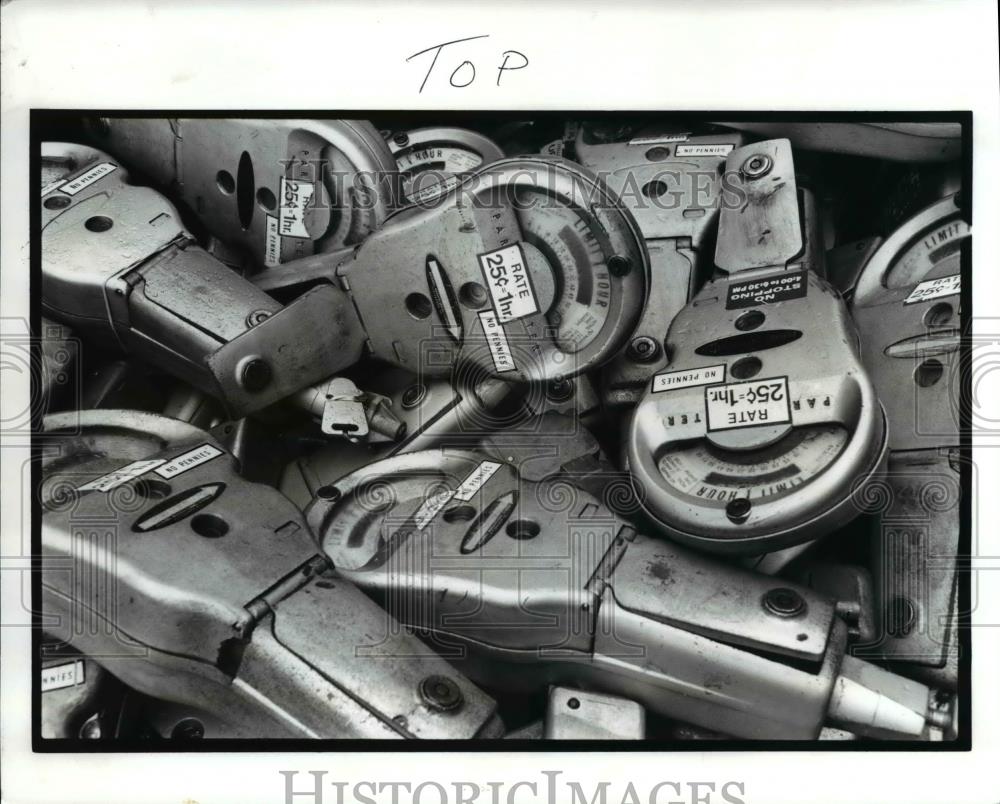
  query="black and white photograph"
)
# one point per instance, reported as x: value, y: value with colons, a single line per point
x: 606, y: 444
x: 548, y: 429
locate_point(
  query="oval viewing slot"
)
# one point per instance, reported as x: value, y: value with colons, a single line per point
x: 749, y: 342
x: 245, y: 190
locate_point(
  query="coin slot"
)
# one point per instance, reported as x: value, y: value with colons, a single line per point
x: 245, y: 190
x: 750, y: 342
x: 209, y: 526
x: 418, y: 305
x: 99, y: 223
x: 225, y: 182
x: 928, y: 372
x: 523, y: 529
x: 745, y: 368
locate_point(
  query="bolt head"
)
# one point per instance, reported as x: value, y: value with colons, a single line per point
x: 619, y: 265
x: 643, y: 349
x: 440, y: 693
x: 255, y: 374
x: 738, y: 510
x: 784, y: 602
x: 756, y: 166
x: 413, y: 396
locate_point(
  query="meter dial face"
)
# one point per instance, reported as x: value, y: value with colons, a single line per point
x: 430, y: 169
x: 704, y: 472
x: 937, y: 246
x: 431, y: 160
x: 568, y: 241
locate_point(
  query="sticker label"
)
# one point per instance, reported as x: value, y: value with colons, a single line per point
x: 496, y: 338
x: 718, y: 149
x: 189, y: 460
x: 113, y: 480
x: 506, y: 273
x: 661, y: 138
x: 422, y: 189
x: 767, y: 291
x: 59, y: 676
x: 475, y: 481
x: 272, y: 242
x: 935, y: 289
x: 554, y: 148
x: 672, y: 380
x: 295, y: 197
x: 429, y: 509
x: 84, y: 180
x: 748, y: 404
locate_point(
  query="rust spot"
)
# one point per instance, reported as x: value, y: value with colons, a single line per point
x: 716, y: 681
x: 661, y: 570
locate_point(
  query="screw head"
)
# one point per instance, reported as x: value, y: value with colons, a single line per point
x: 256, y: 317
x: 413, y: 396
x: 619, y: 265
x: 255, y: 374
x: 440, y: 693
x: 57, y: 202
x: 402, y: 139
x: 901, y: 617
x: 643, y: 349
x: 560, y: 389
x: 188, y: 729
x: 756, y: 166
x: 91, y: 729
x: 738, y: 510
x: 784, y: 602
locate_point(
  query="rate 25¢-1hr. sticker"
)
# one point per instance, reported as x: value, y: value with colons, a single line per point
x: 506, y: 274
x: 294, y: 197
x: 935, y: 289
x: 748, y: 404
